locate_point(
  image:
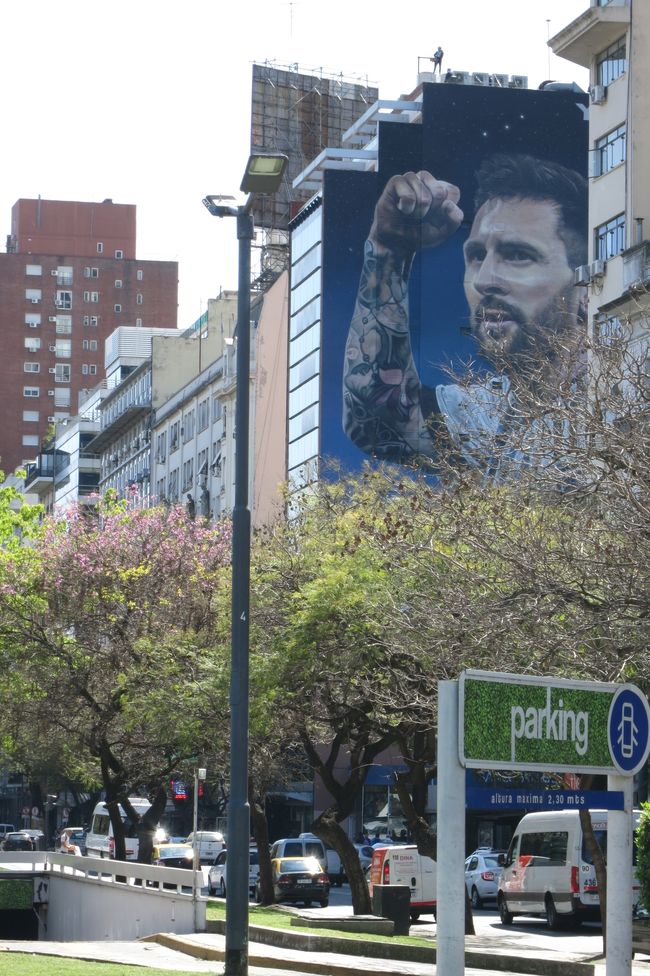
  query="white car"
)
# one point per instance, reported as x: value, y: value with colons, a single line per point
x: 209, y: 844
x: 482, y: 872
x: 217, y: 875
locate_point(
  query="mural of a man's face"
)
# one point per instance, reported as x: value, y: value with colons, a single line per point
x: 518, y: 280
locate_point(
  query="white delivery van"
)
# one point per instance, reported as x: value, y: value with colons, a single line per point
x: 549, y: 871
x: 403, y: 865
x: 100, y: 841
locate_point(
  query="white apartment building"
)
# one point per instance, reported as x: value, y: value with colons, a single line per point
x: 612, y: 39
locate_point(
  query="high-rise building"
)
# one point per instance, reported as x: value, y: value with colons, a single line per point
x: 69, y: 278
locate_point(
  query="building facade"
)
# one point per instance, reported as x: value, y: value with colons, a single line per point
x: 69, y: 278
x: 612, y: 39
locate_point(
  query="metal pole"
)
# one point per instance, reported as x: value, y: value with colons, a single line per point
x: 238, y: 809
x: 450, y: 932
x: 196, y: 864
x: 620, y: 843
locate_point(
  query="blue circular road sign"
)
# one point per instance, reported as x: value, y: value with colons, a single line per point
x: 628, y: 729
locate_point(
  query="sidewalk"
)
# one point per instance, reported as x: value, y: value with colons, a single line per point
x: 301, y: 954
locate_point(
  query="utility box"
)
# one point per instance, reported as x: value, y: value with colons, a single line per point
x: 393, y: 902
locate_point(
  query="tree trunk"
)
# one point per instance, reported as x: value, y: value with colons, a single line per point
x: 145, y: 825
x: 261, y: 834
x: 599, y: 863
x: 326, y: 827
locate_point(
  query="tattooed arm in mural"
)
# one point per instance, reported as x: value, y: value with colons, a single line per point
x: 382, y: 394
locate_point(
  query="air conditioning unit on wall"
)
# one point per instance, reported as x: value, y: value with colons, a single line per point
x: 581, y: 275
x: 598, y: 94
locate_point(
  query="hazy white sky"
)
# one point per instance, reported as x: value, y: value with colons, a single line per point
x: 148, y: 101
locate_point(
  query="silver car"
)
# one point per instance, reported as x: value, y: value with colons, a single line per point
x: 482, y: 872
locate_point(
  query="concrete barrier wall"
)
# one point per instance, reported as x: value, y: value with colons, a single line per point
x: 90, y: 898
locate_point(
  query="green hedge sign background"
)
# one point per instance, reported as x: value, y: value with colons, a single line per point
x: 513, y: 722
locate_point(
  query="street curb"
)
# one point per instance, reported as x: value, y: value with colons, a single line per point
x: 281, y: 939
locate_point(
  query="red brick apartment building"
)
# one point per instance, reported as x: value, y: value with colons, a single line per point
x: 69, y: 278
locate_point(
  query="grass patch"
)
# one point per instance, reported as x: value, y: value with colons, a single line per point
x: 24, y: 964
x: 275, y: 918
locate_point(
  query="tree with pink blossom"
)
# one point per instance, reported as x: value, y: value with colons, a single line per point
x: 116, y: 641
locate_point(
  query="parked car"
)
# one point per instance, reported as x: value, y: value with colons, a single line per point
x: 218, y: 873
x: 18, y: 840
x: 173, y: 855
x: 37, y: 836
x: 298, y: 879
x: 309, y: 845
x: 482, y: 873
x: 72, y: 841
x: 209, y: 843
x: 6, y: 828
x: 365, y: 852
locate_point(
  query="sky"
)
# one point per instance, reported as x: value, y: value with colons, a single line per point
x: 148, y: 101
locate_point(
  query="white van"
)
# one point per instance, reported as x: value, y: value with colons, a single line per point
x: 100, y: 841
x: 403, y: 865
x: 309, y: 845
x: 549, y: 871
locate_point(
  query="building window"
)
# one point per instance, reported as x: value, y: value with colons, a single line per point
x: 138, y: 323
x: 31, y: 416
x: 91, y: 320
x: 33, y: 319
x: 92, y: 369
x: 608, y: 330
x: 610, y: 63
x: 139, y: 274
x: 610, y: 238
x: 33, y: 295
x: 91, y: 272
x: 31, y: 367
x: 63, y: 324
x: 89, y: 344
x: 118, y: 282
x: 117, y: 308
x: 62, y: 397
x: 34, y: 270
x: 609, y: 151
x: 30, y: 440
x: 32, y: 343
x: 188, y: 474
x: 204, y: 414
x: 89, y: 369
x: 160, y: 489
x: 119, y: 255
x: 91, y: 296
x: 100, y: 247
x: 161, y: 446
x: 138, y: 299
x: 217, y: 409
x: 63, y: 299
x: 62, y: 373
x: 173, y: 485
x: 31, y: 391
x: 63, y: 348
x: 188, y: 426
x: 173, y: 437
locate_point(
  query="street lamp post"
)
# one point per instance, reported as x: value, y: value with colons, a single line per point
x: 263, y: 175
